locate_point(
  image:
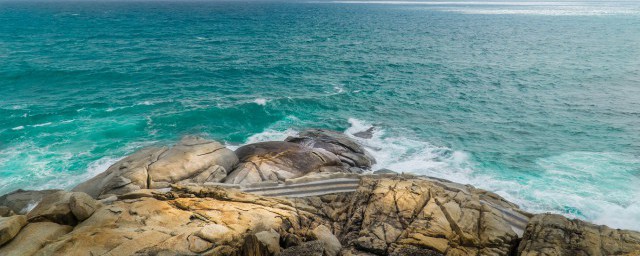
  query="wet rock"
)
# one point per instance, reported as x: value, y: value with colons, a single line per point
x: 10, y: 226
x: 384, y: 171
x: 33, y: 237
x: 552, y: 234
x: 349, y: 152
x: 278, y: 161
x: 22, y: 201
x: 192, y: 160
x: 366, y: 134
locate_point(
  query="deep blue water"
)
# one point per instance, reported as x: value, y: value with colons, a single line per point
x: 539, y: 102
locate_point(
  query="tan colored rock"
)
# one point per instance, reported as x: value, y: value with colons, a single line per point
x: 82, y: 205
x: 198, y: 221
x: 192, y: 160
x: 215, y: 233
x: 552, y: 234
x: 386, y: 215
x: 278, y: 161
x: 329, y: 241
x: 33, y: 237
x: 54, y: 207
x: 10, y: 226
x: 391, y: 214
x: 270, y: 240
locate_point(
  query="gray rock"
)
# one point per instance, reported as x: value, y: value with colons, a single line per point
x: 192, y: 160
x: 10, y: 226
x: 384, y: 171
x: 368, y: 134
x: 313, y: 248
x: 22, y: 201
x: 348, y: 151
x: 278, y: 161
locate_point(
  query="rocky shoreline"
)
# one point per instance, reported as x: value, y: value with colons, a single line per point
x: 313, y: 194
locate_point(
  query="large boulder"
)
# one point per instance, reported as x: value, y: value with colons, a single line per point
x: 192, y: 160
x: 82, y: 205
x: 23, y: 201
x: 330, y: 242
x: 33, y: 237
x: 278, y: 161
x: 54, y: 208
x: 552, y: 234
x: 350, y: 153
x: 10, y: 226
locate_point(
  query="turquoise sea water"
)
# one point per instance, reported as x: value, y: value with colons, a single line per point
x: 537, y: 101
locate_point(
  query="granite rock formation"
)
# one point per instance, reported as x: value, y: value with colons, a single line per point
x: 305, y: 196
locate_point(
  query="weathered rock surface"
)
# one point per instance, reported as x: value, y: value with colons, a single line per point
x: 22, y: 201
x: 6, y: 211
x: 330, y: 242
x: 284, y: 198
x: 10, y: 226
x: 33, y: 237
x: 192, y: 160
x: 82, y: 205
x: 348, y: 151
x: 552, y: 234
x: 54, y: 207
x: 277, y: 161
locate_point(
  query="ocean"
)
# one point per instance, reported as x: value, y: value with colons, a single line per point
x: 536, y: 101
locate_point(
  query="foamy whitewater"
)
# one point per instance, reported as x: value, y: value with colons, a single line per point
x: 587, y: 182
x: 537, y: 101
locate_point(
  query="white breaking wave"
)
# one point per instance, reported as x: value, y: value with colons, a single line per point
x: 260, y: 101
x: 550, y: 8
x: 523, y: 3
x: 550, y: 11
x: 17, y: 128
x: 584, y: 185
x: 43, y: 124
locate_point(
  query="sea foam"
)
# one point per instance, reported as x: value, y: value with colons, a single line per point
x: 593, y: 186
